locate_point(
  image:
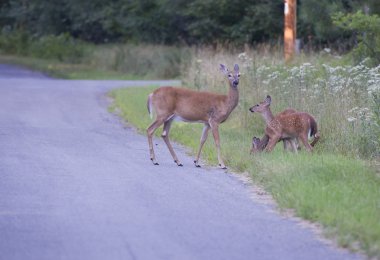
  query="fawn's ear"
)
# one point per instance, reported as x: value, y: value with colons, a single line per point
x: 236, y: 68
x: 223, y: 69
x: 255, y: 141
x: 268, y: 100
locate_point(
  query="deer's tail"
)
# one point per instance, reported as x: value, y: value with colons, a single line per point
x: 313, y: 132
x: 149, y: 105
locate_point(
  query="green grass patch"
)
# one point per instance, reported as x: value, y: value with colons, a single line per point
x: 341, y: 193
x: 64, y: 70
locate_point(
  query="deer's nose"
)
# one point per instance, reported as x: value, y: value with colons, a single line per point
x: 236, y: 82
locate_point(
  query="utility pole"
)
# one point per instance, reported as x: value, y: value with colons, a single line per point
x: 290, y: 28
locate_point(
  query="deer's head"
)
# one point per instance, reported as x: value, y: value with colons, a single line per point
x: 233, y: 77
x: 255, y: 145
x: 262, y: 106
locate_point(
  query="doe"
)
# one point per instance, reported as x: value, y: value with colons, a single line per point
x: 187, y: 105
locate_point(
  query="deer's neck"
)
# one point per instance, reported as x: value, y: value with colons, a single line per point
x: 232, y: 98
x: 268, y: 116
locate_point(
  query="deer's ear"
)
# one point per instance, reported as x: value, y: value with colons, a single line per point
x: 236, y: 68
x: 268, y: 100
x: 223, y: 69
x: 255, y: 141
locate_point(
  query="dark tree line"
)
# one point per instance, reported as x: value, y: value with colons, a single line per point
x: 176, y: 21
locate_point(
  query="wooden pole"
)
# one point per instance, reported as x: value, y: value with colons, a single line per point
x: 290, y: 28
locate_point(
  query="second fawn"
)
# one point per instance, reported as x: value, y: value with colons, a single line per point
x: 299, y: 125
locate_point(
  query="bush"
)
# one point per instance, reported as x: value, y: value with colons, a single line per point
x: 153, y: 61
x: 62, y: 47
x: 367, y: 31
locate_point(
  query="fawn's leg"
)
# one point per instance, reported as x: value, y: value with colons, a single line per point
x: 272, y: 143
x: 293, y: 144
x: 305, y: 142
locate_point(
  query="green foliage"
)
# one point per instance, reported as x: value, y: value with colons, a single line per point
x: 367, y: 31
x: 61, y: 56
x: 192, y: 22
x: 141, y: 60
x: 62, y: 47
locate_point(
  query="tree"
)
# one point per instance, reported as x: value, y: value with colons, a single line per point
x: 367, y: 30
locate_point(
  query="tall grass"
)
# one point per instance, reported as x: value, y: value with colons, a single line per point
x: 95, y: 61
x: 156, y: 61
x: 344, y: 99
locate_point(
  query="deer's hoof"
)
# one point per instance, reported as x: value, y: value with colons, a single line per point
x: 154, y: 162
x: 178, y: 163
x: 223, y: 167
x: 196, y: 164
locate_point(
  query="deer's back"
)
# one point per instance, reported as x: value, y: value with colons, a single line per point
x: 291, y: 125
x: 189, y: 105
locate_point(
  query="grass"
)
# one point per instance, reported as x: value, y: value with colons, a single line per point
x: 65, y: 57
x: 341, y: 193
x: 65, y: 70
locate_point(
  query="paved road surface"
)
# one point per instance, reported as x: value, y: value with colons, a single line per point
x: 76, y: 184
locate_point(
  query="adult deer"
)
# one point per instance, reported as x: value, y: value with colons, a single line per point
x: 188, y: 105
x: 294, y: 125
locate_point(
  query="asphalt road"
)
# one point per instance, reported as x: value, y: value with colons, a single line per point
x: 76, y: 184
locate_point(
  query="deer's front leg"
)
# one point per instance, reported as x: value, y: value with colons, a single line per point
x: 215, y: 132
x: 206, y: 128
x: 165, y: 136
x: 272, y: 143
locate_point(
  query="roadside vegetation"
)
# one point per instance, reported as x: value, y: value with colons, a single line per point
x: 339, y: 185
x: 62, y: 56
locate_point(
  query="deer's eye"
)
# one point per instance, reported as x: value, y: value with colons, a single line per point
x: 229, y: 75
x: 239, y: 75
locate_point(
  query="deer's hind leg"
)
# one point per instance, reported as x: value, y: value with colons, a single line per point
x: 165, y: 136
x: 205, y: 130
x: 150, y: 131
x: 305, y: 142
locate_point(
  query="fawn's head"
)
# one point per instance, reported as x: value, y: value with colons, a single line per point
x: 262, y: 106
x: 233, y: 77
x: 255, y: 145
